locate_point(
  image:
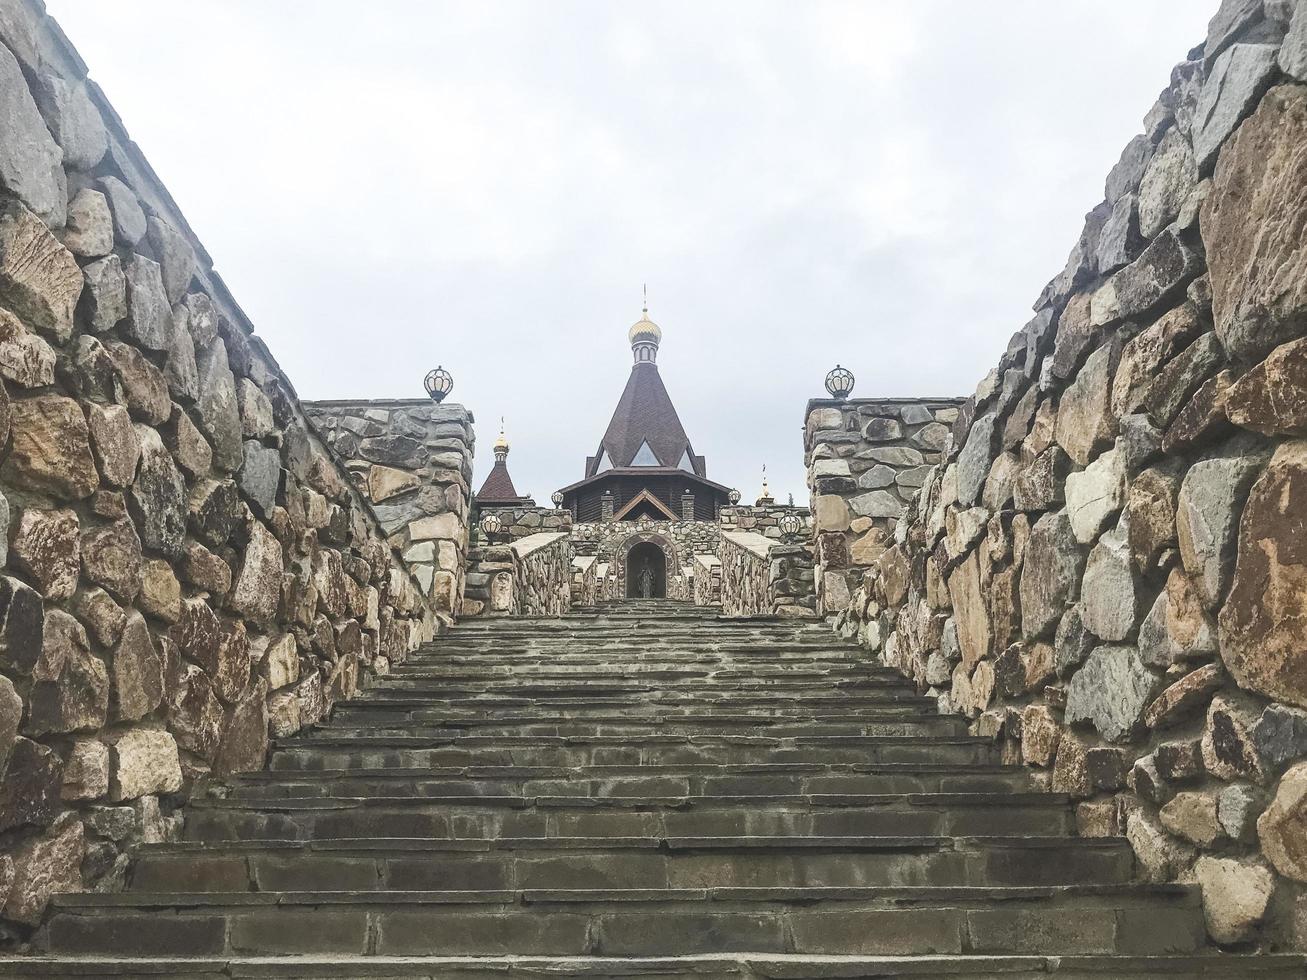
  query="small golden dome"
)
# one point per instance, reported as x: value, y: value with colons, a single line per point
x: 645, y: 330
x: 501, y: 444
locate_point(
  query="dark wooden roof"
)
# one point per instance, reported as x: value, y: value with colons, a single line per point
x: 498, y: 488
x: 645, y: 413
x: 639, y: 472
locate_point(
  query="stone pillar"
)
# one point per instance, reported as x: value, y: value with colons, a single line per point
x: 687, y: 506
x: 606, y: 507
x: 865, y: 459
x: 412, y: 460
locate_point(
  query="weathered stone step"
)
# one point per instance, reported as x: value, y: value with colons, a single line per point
x: 768, y: 704
x: 690, y: 645
x: 433, y: 680
x: 373, y: 715
x: 451, y: 725
x: 319, y: 751
x: 1133, y: 919
x: 620, y: 781
x: 404, y: 864
x: 479, y: 817
x: 720, y: 966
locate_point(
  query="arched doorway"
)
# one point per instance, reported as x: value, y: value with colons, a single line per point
x: 646, y: 572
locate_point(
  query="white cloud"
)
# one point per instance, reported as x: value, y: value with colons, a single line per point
x: 487, y: 184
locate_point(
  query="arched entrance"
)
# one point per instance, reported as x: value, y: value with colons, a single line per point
x: 646, y: 572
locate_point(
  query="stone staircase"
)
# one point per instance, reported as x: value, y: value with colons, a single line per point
x: 642, y: 791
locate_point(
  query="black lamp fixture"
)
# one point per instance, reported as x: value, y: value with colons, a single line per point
x: 734, y: 497
x: 438, y: 383
x: 790, y: 524
x: 557, y: 498
x: 839, y: 382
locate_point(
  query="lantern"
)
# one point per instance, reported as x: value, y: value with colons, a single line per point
x: 557, y: 498
x: 491, y: 525
x: 438, y: 383
x: 790, y: 524
x: 734, y: 498
x: 840, y: 382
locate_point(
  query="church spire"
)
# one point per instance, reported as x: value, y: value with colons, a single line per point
x: 645, y: 335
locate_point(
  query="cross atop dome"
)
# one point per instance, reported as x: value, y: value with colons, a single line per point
x: 645, y: 336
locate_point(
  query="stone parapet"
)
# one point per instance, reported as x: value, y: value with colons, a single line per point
x: 412, y: 461
x: 866, y: 459
x: 762, y: 578
x: 707, y: 580
x: 1107, y: 573
x: 585, y: 580
x: 765, y: 520
x: 521, y: 522
x: 187, y: 568
x: 530, y: 577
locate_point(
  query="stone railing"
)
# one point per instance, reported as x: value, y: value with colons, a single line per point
x: 762, y: 578
x: 186, y: 567
x: 765, y: 520
x: 530, y: 577
x: 1108, y: 572
x: 522, y: 522
x: 585, y: 581
x: 866, y: 457
x: 412, y: 460
x: 707, y: 580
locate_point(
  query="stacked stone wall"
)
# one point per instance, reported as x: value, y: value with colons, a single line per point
x: 764, y: 519
x: 186, y: 568
x: 522, y: 522
x: 1109, y: 572
x: 412, y: 460
x: 530, y: 577
x: 762, y: 578
x: 707, y: 580
x: 585, y: 581
x: 866, y: 458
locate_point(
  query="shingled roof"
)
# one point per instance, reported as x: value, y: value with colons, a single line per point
x: 498, y: 488
x: 645, y: 415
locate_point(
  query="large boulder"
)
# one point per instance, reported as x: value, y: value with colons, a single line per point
x: 31, y: 163
x: 1095, y: 494
x: 1282, y: 829
x: 51, y: 448
x: 1236, y: 896
x: 145, y: 762
x: 111, y: 557
x: 46, y: 544
x: 1085, y: 423
x: 39, y: 278
x: 1236, y: 81
x: 1262, y: 621
x: 257, y: 590
x: 1111, y: 692
x: 1110, y: 607
x: 1051, y: 575
x: 1207, y: 515
x: 157, y: 497
x: 1252, y: 228
x: 46, y: 866
x: 217, y: 410
x: 1272, y: 397
x: 970, y: 612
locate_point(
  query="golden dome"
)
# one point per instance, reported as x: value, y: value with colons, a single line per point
x: 501, y: 444
x: 645, y: 330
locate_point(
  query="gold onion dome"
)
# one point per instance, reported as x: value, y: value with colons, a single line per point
x: 645, y: 330
x: 501, y: 444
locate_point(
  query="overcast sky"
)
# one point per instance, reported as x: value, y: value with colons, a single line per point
x: 392, y: 184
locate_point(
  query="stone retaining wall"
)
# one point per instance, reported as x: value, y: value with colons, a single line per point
x: 186, y: 568
x: 412, y: 460
x: 530, y: 577
x: 762, y: 578
x: 866, y: 458
x: 1108, y: 573
x: 765, y: 520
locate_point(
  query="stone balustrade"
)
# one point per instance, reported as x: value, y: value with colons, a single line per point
x: 707, y: 580
x: 762, y: 578
x: 529, y: 577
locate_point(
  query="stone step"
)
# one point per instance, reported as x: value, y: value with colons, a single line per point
x: 320, y: 751
x: 1129, y: 919
x: 433, y: 680
x: 689, y: 647
x: 423, y: 863
x: 623, y: 781
x: 562, y: 726
x: 488, y: 817
x: 767, y: 704
x: 433, y: 690
x: 720, y: 966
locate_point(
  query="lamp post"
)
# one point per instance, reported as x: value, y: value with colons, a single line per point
x: 438, y: 383
x: 839, y: 382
